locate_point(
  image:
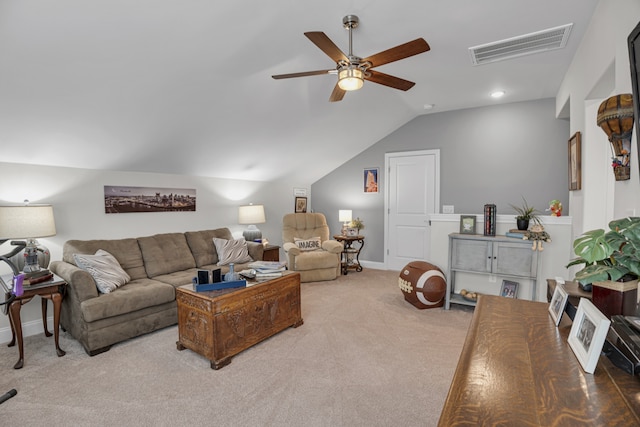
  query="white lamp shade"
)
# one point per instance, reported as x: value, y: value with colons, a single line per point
x: 251, y: 214
x: 24, y: 222
x: 344, y: 215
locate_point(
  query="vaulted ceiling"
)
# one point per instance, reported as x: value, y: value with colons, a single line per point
x: 185, y: 87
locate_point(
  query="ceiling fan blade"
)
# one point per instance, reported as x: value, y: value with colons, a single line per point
x: 337, y: 94
x: 325, y: 44
x: 304, y: 74
x: 391, y: 81
x: 402, y: 51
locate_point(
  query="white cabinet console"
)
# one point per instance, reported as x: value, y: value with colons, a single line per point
x: 499, y: 255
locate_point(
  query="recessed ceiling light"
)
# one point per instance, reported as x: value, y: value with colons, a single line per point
x: 497, y: 94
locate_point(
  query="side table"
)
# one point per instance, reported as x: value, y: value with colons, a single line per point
x: 350, y: 254
x: 271, y: 253
x: 51, y: 290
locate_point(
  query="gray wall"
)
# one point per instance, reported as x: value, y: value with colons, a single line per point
x: 494, y: 154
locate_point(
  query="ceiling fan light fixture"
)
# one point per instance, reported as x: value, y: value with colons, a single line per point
x: 350, y: 79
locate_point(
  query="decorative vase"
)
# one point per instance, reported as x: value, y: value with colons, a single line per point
x: 523, y: 224
x: 231, y: 275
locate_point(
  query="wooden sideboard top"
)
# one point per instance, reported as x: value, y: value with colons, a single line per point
x: 516, y: 368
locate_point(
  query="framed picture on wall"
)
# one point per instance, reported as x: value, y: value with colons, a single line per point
x: 634, y: 60
x: 301, y: 205
x: 575, y: 163
x: 371, y: 180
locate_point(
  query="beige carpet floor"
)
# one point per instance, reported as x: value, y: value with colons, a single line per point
x: 364, y: 357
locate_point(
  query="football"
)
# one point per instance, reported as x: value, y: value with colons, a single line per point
x: 423, y: 284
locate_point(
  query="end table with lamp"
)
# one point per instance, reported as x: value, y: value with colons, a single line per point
x: 350, y: 254
x: 29, y: 222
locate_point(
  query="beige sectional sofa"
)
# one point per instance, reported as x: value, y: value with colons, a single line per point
x: 155, y: 264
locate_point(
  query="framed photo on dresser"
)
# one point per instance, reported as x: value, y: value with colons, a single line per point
x: 587, y: 335
x: 558, y: 303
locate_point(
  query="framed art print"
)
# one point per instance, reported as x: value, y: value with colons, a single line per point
x: 467, y: 224
x: 371, y: 180
x: 587, y: 335
x: 575, y: 162
x: 509, y: 289
x: 558, y: 303
x: 301, y: 205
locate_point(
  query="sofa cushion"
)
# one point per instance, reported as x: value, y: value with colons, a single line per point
x: 137, y: 295
x: 202, y: 247
x: 165, y: 253
x: 312, y: 244
x: 126, y: 251
x: 104, y: 269
x: 232, y: 251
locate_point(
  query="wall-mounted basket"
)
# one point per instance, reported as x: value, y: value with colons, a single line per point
x: 622, y: 173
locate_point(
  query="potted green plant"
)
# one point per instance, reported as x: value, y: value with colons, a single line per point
x: 613, y: 255
x: 526, y: 214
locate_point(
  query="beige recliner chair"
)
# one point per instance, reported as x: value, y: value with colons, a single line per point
x: 314, y: 260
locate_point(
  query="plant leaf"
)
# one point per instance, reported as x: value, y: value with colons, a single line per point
x: 592, y: 246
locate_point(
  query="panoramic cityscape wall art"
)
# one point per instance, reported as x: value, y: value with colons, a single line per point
x: 119, y: 199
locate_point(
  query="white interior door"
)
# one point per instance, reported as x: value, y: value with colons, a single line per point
x: 413, y: 194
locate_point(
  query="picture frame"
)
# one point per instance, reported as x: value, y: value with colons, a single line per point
x: 633, y: 42
x: 300, y: 205
x: 133, y: 199
x: 588, y: 332
x: 558, y: 303
x: 371, y: 180
x: 467, y: 224
x: 575, y: 162
x: 352, y: 232
x: 509, y: 289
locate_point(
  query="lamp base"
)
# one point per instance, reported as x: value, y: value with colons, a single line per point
x: 252, y: 233
x: 33, y: 259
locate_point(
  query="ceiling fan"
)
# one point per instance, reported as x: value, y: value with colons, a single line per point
x: 352, y: 70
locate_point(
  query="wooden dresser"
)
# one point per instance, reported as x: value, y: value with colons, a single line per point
x: 517, y: 369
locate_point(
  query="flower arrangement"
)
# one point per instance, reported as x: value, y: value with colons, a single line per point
x: 357, y: 224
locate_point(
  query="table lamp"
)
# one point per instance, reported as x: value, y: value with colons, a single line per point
x: 251, y: 215
x: 26, y: 222
x: 344, y: 216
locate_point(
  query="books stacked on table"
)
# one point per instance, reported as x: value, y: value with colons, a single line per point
x: 515, y: 233
x: 268, y: 269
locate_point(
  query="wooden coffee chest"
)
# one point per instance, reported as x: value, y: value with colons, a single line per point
x: 221, y: 324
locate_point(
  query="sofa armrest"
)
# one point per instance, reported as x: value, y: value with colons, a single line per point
x: 256, y: 250
x: 332, y: 246
x: 79, y: 282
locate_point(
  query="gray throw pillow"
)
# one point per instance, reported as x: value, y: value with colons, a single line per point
x: 229, y: 251
x: 105, y: 270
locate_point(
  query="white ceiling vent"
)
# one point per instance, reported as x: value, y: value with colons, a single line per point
x: 540, y: 41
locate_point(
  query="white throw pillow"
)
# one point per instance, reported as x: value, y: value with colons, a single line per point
x: 312, y: 244
x: 229, y: 251
x: 105, y: 270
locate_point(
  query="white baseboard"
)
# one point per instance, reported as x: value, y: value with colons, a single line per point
x: 32, y: 327
x: 373, y: 265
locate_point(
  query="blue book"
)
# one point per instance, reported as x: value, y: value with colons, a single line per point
x: 514, y: 235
